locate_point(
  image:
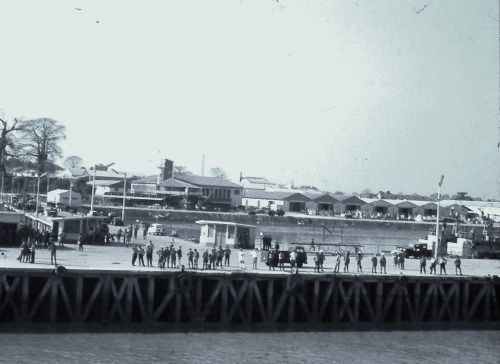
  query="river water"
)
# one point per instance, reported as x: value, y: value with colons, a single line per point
x: 253, y: 347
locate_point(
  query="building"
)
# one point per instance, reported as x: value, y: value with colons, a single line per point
x: 63, y: 197
x: 256, y: 183
x: 226, y: 234
x: 190, y: 190
x: 74, y: 173
x: 107, y: 187
x: 320, y: 204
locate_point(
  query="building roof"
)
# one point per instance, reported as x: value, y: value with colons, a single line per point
x: 74, y: 172
x: 58, y: 191
x: 110, y: 173
x: 106, y: 182
x: 320, y: 197
x: 266, y: 195
x: 206, y: 181
x: 354, y: 200
x: 146, y: 180
x: 175, y: 183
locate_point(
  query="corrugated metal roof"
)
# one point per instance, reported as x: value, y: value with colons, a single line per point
x: 206, y: 181
x: 146, y: 180
x: 175, y: 183
x: 266, y: 195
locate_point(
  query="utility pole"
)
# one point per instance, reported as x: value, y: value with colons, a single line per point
x: 124, y: 194
x: 38, y: 192
x: 437, y: 217
x: 92, y: 196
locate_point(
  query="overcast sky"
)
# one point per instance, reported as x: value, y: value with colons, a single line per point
x: 343, y: 95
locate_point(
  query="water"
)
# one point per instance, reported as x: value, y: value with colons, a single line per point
x: 253, y: 347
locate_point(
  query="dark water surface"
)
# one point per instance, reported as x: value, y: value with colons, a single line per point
x: 251, y: 347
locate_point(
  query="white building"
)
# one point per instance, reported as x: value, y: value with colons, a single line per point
x: 63, y: 197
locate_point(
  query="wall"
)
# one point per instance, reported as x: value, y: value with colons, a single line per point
x: 124, y: 298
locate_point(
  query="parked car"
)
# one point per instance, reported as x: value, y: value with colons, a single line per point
x: 301, y: 258
x: 156, y: 206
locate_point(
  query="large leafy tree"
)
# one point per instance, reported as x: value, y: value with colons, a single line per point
x: 40, y: 141
x: 8, y: 140
x: 73, y: 161
x: 218, y: 172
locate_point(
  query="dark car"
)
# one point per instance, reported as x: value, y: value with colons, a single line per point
x: 418, y: 251
x: 117, y: 221
x: 301, y: 258
x: 51, y: 212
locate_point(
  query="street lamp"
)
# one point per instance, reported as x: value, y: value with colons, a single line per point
x: 437, y: 217
x: 38, y: 191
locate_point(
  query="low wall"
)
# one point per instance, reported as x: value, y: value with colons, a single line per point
x: 120, y: 297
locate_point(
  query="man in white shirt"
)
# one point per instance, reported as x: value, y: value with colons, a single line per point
x: 241, y: 259
x: 255, y: 255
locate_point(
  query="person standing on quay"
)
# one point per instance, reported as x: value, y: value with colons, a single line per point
x: 141, y: 256
x: 402, y: 260
x: 196, y: 258
x: 423, y: 263
x: 254, y: 255
x: 227, y: 256
x: 172, y: 257
x: 432, y: 267
x: 347, y: 260
x: 359, y: 258
x: 383, y: 263
x: 458, y: 265
x: 80, y: 243
x: 179, y: 256
x: 241, y: 258
x: 205, y: 259
x: 135, y: 251
x: 190, y: 255
x: 442, y: 265
x: 149, y: 253
x: 53, y: 251
x: 374, y: 263
x: 337, y: 262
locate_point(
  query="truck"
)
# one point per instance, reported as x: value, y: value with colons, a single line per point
x: 157, y: 229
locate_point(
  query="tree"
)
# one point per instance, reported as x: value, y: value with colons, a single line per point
x: 181, y: 170
x: 8, y: 141
x: 40, y: 140
x: 462, y: 196
x: 73, y: 161
x: 218, y: 172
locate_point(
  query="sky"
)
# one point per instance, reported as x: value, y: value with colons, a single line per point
x: 342, y: 95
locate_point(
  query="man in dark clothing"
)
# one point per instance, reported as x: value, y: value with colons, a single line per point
x: 46, y: 238
x: 196, y: 258
x: 220, y: 257
x: 205, y: 259
x: 374, y: 264
x: 423, y: 264
x: 442, y: 265
x: 213, y: 257
x: 53, y: 251
x: 135, y: 251
x: 321, y: 259
x: 190, y: 258
x: 402, y: 260
x: 149, y: 254
x: 458, y: 265
x: 347, y: 260
x: 80, y: 243
x: 136, y: 230
x: 383, y: 263
x: 270, y: 259
x: 359, y: 258
x: 32, y: 253
x: 227, y: 255
x: 316, y: 263
x: 141, y: 256
x: 179, y: 257
x: 173, y: 257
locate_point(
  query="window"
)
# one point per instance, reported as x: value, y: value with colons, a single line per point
x: 236, y: 192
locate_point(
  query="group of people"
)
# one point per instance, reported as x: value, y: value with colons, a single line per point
x: 441, y: 261
x: 27, y: 251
